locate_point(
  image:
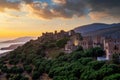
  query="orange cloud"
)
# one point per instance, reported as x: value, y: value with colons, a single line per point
x: 98, y: 15
x: 5, y: 4
x: 60, y: 1
x: 67, y: 8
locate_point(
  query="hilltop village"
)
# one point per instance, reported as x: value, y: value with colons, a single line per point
x: 63, y: 56
x: 110, y: 43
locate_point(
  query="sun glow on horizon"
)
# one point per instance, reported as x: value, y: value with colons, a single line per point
x: 26, y: 26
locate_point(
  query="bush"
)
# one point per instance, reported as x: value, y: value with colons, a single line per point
x: 84, y: 61
x: 61, y: 43
x: 18, y: 77
x: 28, y: 68
x: 16, y: 69
x: 13, y: 61
x: 113, y: 77
x: 116, y: 58
x: 96, y: 64
x: 80, y: 48
x: 35, y: 75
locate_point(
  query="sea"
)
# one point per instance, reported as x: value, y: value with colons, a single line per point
x: 2, y: 45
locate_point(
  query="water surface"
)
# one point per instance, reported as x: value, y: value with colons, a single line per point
x: 2, y: 45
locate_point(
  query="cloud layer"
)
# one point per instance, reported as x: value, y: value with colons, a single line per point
x: 108, y: 7
x: 6, y: 4
x: 67, y: 8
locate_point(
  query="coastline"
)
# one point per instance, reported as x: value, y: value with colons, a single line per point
x: 11, y: 47
x: 4, y: 54
x: 7, y: 48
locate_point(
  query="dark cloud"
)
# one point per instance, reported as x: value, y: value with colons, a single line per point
x: 68, y: 8
x: 60, y: 8
x: 27, y: 1
x: 79, y: 8
x: 110, y: 7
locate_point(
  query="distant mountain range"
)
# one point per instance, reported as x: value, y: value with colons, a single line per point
x: 98, y: 29
x: 21, y: 39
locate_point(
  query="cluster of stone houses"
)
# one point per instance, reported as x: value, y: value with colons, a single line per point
x: 110, y: 43
x: 51, y: 36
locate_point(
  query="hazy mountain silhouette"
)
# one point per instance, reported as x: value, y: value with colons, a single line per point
x: 98, y: 29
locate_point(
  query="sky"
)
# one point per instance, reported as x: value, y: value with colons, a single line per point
x: 32, y: 17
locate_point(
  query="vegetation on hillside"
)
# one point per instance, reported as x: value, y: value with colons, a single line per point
x: 29, y: 62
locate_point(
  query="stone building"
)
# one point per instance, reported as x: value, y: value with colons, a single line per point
x: 61, y: 34
x: 111, y: 46
x: 51, y: 36
x: 110, y: 43
x: 73, y: 43
x: 69, y: 47
x: 48, y: 36
x: 76, y: 40
x: 86, y: 43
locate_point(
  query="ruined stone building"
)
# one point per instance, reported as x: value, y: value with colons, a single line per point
x: 111, y: 46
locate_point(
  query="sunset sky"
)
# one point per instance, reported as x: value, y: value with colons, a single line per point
x: 32, y: 17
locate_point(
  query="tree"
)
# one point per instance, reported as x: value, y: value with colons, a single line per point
x: 4, y: 69
x: 95, y: 52
x: 13, y: 61
x: 116, y: 58
x: 15, y: 77
x: 84, y: 61
x: 18, y: 77
x: 86, y: 74
x: 113, y: 77
x: 80, y: 48
x: 61, y: 43
x: 28, y: 68
x: 96, y: 65
x: 76, y: 55
x: 35, y: 75
x: 16, y: 70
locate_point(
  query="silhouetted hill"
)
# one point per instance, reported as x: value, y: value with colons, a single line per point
x: 104, y: 32
x: 97, y: 29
